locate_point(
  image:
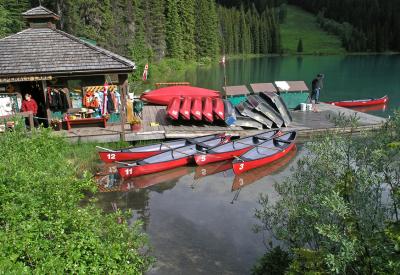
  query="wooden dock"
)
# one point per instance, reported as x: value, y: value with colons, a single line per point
x: 155, y: 126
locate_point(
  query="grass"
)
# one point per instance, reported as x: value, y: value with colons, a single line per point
x: 302, y: 24
x: 166, y: 70
x: 84, y: 155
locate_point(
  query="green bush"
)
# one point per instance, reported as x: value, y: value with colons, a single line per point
x: 43, y: 227
x: 339, y: 212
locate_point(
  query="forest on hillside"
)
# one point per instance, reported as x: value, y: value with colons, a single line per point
x: 146, y: 30
x: 367, y: 25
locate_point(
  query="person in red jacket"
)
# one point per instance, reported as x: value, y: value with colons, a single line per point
x: 29, y: 104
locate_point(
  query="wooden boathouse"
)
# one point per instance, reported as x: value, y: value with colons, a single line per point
x: 43, y: 61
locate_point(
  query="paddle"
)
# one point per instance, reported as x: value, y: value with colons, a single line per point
x: 105, y: 149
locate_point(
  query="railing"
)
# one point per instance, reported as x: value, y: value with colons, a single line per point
x: 172, y: 84
x: 28, y: 115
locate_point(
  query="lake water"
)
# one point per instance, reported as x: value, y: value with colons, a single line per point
x: 200, y: 219
x: 346, y: 77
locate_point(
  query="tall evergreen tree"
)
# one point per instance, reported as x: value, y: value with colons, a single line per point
x: 14, y: 10
x: 206, y: 29
x: 173, y: 30
x: 255, y: 30
x: 187, y: 16
x: 5, y: 22
x: 300, y: 46
x: 154, y: 18
x: 245, y: 44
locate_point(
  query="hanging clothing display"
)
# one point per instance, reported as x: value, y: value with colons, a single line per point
x: 57, y: 100
x: 102, y: 99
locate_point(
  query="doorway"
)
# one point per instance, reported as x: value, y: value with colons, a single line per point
x: 36, y: 90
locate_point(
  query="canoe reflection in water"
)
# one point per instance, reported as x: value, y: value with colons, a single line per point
x: 366, y: 109
x: 157, y: 178
x: 212, y: 168
x: 254, y: 175
x: 114, y: 183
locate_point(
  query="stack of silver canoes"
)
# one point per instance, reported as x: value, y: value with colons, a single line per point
x: 262, y: 110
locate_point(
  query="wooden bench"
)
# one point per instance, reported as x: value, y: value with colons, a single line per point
x: 86, y: 121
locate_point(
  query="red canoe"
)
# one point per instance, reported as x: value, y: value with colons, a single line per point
x: 361, y: 102
x: 261, y: 172
x: 264, y: 153
x: 219, y: 109
x: 168, y: 160
x: 234, y: 148
x: 173, y: 108
x: 163, y: 95
x: 208, y: 109
x: 185, y: 108
x: 135, y: 153
x: 197, y: 107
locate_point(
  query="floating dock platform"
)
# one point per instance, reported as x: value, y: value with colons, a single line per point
x: 156, y: 126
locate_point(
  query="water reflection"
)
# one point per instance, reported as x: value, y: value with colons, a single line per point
x: 374, y: 108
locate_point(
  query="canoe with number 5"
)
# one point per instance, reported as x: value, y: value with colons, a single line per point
x: 168, y: 160
x: 135, y: 153
x: 265, y: 152
x: 234, y: 148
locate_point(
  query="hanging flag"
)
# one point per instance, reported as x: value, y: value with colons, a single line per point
x: 145, y: 72
x: 104, y: 109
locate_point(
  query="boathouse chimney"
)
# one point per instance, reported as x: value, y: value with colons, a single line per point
x: 40, y: 17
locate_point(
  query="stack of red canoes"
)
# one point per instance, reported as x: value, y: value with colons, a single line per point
x: 163, y: 96
x: 248, y: 153
x: 196, y: 108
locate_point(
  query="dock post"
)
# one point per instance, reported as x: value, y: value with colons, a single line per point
x: 123, y: 80
x: 31, y: 123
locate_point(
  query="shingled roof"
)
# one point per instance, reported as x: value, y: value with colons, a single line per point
x: 50, y: 51
x: 42, y: 51
x: 39, y: 12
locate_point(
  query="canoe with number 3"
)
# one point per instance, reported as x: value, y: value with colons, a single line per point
x: 265, y: 152
x: 234, y: 148
x: 135, y: 153
x: 169, y: 159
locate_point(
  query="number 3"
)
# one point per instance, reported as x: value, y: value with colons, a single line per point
x: 241, y: 166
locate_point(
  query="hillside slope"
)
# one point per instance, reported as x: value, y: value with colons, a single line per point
x: 302, y: 24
